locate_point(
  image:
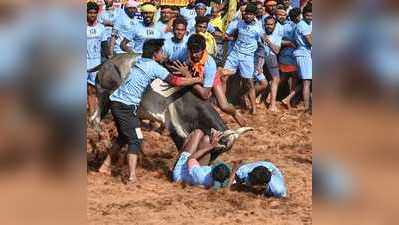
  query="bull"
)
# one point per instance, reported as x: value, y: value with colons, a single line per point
x: 178, y: 109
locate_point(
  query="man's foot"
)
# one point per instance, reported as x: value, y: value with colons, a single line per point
x: 240, y: 119
x: 253, y: 110
x: 131, y: 179
x: 105, y: 169
x: 268, y: 98
x: 273, y: 108
x: 286, y: 103
x: 259, y: 99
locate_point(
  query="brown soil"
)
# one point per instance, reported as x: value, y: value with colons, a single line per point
x: 283, y: 138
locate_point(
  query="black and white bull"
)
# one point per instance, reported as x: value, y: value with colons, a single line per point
x: 178, y: 109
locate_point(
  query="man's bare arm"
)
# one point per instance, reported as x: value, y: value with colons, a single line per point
x: 308, y: 39
x: 204, y: 93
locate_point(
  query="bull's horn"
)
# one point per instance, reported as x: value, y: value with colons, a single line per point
x: 95, y: 69
x: 243, y: 130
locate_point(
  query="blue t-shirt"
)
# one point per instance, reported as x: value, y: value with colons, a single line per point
x: 109, y: 15
x: 144, y: 72
x: 249, y: 36
x: 209, y: 73
x: 175, y: 50
x: 275, y: 38
x: 200, y: 175
x: 287, y: 54
x: 276, y: 186
x: 302, y: 29
x: 140, y: 33
x: 95, y: 35
x: 160, y: 26
x: 124, y: 24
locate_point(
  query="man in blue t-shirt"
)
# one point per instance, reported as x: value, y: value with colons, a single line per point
x: 175, y: 47
x: 262, y: 174
x: 126, y: 100
x: 303, y: 52
x: 243, y: 52
x: 188, y: 169
x: 142, y: 31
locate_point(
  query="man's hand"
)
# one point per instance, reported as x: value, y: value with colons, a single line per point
x: 182, y: 68
x: 266, y: 40
x: 215, y: 138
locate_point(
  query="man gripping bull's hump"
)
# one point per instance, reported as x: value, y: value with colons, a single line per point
x: 126, y: 99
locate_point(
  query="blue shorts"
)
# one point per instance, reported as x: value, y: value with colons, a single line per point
x: 181, y: 168
x: 240, y: 61
x: 304, y: 67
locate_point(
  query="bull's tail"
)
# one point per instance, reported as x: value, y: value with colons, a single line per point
x: 95, y: 69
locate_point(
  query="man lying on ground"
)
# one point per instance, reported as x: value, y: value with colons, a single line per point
x: 188, y: 170
x: 262, y: 174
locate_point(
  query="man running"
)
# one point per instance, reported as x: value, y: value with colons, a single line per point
x: 242, y: 55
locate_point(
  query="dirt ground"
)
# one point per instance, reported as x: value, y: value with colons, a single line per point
x: 283, y: 138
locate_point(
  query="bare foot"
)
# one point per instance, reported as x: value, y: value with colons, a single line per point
x: 105, y: 169
x: 286, y: 103
x: 259, y: 99
x: 253, y: 111
x: 268, y: 98
x: 240, y: 119
x: 132, y: 179
x: 273, y: 108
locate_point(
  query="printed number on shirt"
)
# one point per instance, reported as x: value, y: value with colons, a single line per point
x: 150, y: 32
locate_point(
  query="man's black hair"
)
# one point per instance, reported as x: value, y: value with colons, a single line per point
x: 269, y: 18
x: 151, y: 46
x: 280, y: 7
x: 307, y: 9
x: 220, y: 173
x: 179, y: 20
x: 91, y: 6
x: 175, y: 8
x: 196, y: 43
x: 201, y: 19
x: 166, y: 7
x: 260, y: 175
x: 294, y: 13
x: 251, y: 8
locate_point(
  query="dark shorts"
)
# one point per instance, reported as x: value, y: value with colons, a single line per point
x: 128, y: 126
